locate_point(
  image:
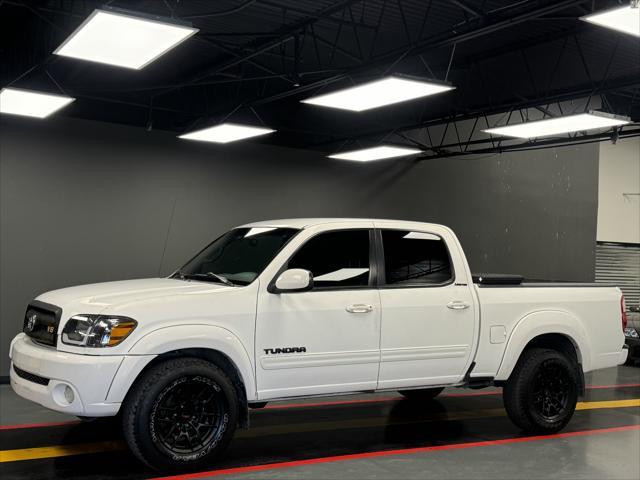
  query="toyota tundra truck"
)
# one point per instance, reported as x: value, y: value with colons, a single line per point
x: 298, y: 308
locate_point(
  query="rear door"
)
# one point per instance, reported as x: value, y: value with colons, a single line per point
x: 428, y: 318
x: 325, y: 340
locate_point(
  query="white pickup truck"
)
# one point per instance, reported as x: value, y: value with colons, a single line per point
x: 304, y: 307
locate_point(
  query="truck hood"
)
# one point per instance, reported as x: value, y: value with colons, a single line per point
x: 96, y: 297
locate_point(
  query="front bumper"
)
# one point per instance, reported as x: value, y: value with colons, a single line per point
x: 88, y: 376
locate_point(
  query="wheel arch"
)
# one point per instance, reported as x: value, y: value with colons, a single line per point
x: 557, y: 330
x: 217, y: 358
x: 557, y: 341
x: 211, y: 343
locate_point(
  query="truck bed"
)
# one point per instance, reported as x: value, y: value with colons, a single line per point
x: 588, y: 312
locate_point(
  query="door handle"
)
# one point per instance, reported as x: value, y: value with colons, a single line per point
x: 457, y: 305
x: 359, y: 308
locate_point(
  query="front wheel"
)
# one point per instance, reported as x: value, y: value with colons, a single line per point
x: 181, y: 413
x: 542, y: 391
x: 422, y: 394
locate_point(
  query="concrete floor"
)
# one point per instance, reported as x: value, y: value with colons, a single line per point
x: 469, y: 430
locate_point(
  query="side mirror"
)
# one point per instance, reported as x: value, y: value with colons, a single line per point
x: 294, y: 280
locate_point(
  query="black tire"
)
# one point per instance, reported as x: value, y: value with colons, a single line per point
x: 542, y: 391
x: 166, y: 398
x: 422, y: 394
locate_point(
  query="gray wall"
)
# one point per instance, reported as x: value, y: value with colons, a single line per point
x: 86, y: 202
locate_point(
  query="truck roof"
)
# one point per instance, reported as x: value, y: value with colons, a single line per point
x: 311, y: 222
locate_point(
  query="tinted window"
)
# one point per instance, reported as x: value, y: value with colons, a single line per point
x: 240, y: 255
x: 415, y: 258
x: 336, y: 259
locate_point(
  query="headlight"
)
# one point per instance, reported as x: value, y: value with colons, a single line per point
x: 97, y: 330
x: 631, y: 332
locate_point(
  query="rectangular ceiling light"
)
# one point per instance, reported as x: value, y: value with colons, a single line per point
x: 623, y: 19
x: 375, y: 153
x: 225, y: 133
x: 30, y: 103
x: 122, y: 39
x: 378, y: 93
x: 559, y: 125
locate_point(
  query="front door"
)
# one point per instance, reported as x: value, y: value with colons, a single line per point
x: 325, y: 340
x: 428, y: 318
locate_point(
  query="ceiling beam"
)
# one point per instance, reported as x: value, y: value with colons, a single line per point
x: 220, y: 13
x: 467, y: 8
x: 534, y: 144
x: 582, y: 91
x: 322, y: 16
x: 289, y: 33
x: 491, y: 23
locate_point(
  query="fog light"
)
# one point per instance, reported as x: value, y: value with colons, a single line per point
x: 68, y: 394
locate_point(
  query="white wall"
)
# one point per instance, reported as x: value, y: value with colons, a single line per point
x: 619, y: 174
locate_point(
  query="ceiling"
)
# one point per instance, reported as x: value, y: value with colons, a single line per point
x: 254, y: 60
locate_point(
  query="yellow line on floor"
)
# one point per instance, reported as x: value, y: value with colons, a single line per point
x: 99, y: 447
x: 632, y: 402
x: 58, y: 451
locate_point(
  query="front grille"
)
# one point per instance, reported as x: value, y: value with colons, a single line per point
x: 41, y: 322
x: 31, y: 377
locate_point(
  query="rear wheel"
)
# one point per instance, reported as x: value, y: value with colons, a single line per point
x: 542, y: 391
x: 422, y: 394
x: 181, y: 413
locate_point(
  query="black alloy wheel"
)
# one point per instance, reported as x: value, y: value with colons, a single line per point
x: 550, y: 391
x: 181, y: 413
x: 542, y: 391
x: 188, y: 415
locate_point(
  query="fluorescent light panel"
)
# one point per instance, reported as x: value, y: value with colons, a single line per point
x: 375, y: 153
x: 123, y: 40
x: 30, y: 103
x: 378, y: 93
x: 225, y: 133
x: 558, y: 125
x: 623, y: 19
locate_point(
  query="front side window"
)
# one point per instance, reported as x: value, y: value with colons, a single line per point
x: 336, y: 259
x: 238, y: 256
x: 415, y: 258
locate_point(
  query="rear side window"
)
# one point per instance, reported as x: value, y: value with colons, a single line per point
x: 415, y: 258
x: 336, y: 259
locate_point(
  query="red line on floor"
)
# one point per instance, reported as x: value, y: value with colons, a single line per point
x: 39, y: 425
x: 386, y: 453
x: 621, y: 385
x: 322, y: 404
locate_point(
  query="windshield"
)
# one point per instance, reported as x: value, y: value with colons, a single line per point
x: 238, y: 256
